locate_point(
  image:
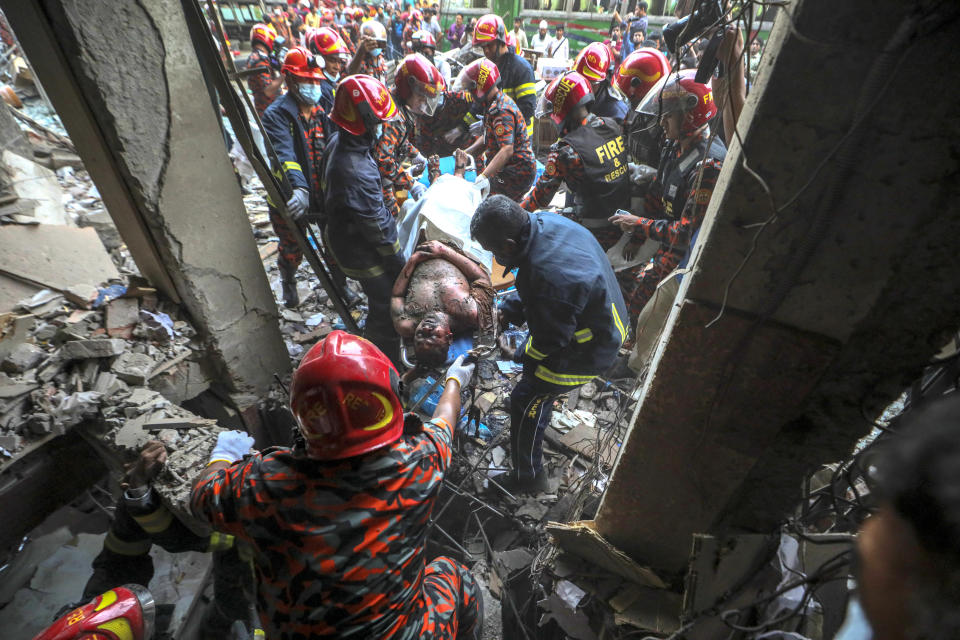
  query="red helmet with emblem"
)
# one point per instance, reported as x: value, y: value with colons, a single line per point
x: 562, y: 95
x: 300, y: 63
x: 375, y: 30
x: 639, y: 72
x: 345, y: 396
x: 421, y: 39
x: 418, y: 84
x: 361, y: 103
x: 489, y: 28
x: 478, y: 77
x: 324, y: 41
x: 359, y: 14
x: 681, y: 93
x: 263, y: 34
x: 416, y: 16
x: 593, y: 62
x: 326, y: 16
x: 123, y: 613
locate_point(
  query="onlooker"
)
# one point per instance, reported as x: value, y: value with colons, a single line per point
x: 543, y: 40
x: 455, y: 32
x: 519, y: 34
x: 756, y: 50
x: 432, y: 24
x: 615, y: 44
x: 560, y: 49
x: 467, y: 37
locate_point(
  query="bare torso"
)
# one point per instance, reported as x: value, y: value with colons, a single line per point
x: 437, y: 285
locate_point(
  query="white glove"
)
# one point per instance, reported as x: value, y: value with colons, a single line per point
x: 298, y: 203
x: 418, y: 165
x: 230, y: 447
x: 417, y: 190
x: 483, y: 185
x: 476, y: 129
x: 452, y: 136
x: 460, y: 372
x: 641, y: 173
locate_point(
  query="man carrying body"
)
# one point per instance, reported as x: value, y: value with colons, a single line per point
x: 569, y: 298
x: 338, y: 523
x: 516, y: 74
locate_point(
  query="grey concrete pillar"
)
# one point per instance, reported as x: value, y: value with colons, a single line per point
x: 125, y: 80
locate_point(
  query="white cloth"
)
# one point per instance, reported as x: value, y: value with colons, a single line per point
x: 541, y: 44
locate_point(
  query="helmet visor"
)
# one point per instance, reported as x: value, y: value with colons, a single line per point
x: 424, y: 97
x: 665, y: 97
x: 544, y: 106
x: 464, y: 82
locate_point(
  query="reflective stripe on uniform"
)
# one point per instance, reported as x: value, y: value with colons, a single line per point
x: 583, y: 335
x: 290, y: 165
x: 530, y: 128
x: 124, y: 548
x: 616, y: 320
x: 562, y: 379
x: 389, y: 251
x: 469, y: 118
x: 524, y: 89
x: 356, y: 274
x: 532, y: 352
x: 156, y: 521
x: 219, y: 541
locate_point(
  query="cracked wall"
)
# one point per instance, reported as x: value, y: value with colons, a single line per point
x: 136, y: 66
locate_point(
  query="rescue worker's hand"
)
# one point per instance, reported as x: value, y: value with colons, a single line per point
x: 418, y: 165
x: 152, y: 458
x: 452, y: 136
x: 367, y: 44
x: 625, y: 220
x: 298, y: 203
x: 460, y: 372
x: 476, y: 129
x: 230, y: 447
x: 482, y: 184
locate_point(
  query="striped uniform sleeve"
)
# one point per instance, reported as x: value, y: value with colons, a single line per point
x: 678, y: 232
x: 232, y: 496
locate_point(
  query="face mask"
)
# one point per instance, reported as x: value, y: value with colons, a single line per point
x: 309, y: 92
x: 376, y: 52
x: 378, y: 131
x: 332, y: 77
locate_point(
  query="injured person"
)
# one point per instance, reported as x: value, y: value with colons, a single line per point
x: 440, y: 293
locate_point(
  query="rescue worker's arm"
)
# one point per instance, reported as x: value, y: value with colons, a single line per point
x: 677, y: 233
x: 552, y: 319
x: 225, y: 493
x: 265, y: 81
x: 503, y: 127
x: 278, y: 129
x: 525, y: 95
x: 458, y: 375
x: 366, y: 44
x: 554, y: 173
x: 476, y: 148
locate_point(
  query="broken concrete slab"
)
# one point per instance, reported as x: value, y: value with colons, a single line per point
x: 9, y: 390
x: 122, y: 315
x: 158, y: 424
x: 57, y: 257
x: 14, y: 330
x: 38, y: 184
x: 95, y: 348
x: 24, y: 356
x: 582, y: 539
x: 133, y: 368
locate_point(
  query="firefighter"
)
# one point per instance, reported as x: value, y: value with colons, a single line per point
x: 509, y: 166
x: 414, y: 24
x: 569, y: 298
x: 360, y: 231
x: 687, y: 174
x: 440, y: 119
x: 635, y: 77
x: 594, y: 64
x: 369, y: 58
x: 339, y: 522
x: 326, y: 43
x: 327, y: 18
x: 516, y: 74
x: 425, y: 44
x: 297, y: 127
x: 264, y: 85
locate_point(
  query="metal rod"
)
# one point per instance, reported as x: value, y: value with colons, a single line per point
x: 433, y: 387
x: 463, y: 494
x: 451, y: 539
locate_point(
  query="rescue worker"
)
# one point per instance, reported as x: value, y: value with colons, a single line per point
x: 440, y: 119
x: 328, y: 20
x: 504, y: 154
x: 327, y: 43
x: 687, y: 174
x: 297, y: 126
x: 264, y: 85
x: 516, y: 74
x: 414, y: 24
x: 594, y: 64
x: 635, y: 76
x: 369, y: 59
x: 360, y: 231
x: 339, y: 521
x: 569, y: 298
x: 425, y: 44
x: 140, y: 521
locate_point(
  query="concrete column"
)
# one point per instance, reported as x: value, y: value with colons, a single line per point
x: 125, y: 80
x: 849, y: 292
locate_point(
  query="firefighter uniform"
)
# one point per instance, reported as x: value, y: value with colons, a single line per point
x: 257, y: 82
x: 519, y: 84
x: 503, y: 124
x: 392, y: 147
x: 376, y: 67
x: 360, y: 232
x: 569, y: 298
x: 674, y: 208
x: 339, y: 545
x: 454, y: 113
x: 608, y: 103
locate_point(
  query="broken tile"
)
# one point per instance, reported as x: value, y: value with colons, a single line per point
x: 96, y: 348
x: 122, y: 316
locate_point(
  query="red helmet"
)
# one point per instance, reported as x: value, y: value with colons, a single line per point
x: 639, y: 72
x: 324, y: 41
x: 416, y: 16
x: 123, y: 613
x: 418, y: 84
x: 489, y: 28
x: 299, y: 62
x: 327, y: 16
x: 361, y: 103
x: 264, y: 34
x: 344, y: 396
x: 358, y: 13
x: 680, y: 93
x: 421, y: 39
x: 563, y: 94
x: 478, y: 77
x: 593, y: 62
x: 513, y: 44
x: 375, y: 30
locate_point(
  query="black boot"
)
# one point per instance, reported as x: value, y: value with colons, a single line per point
x: 288, y: 280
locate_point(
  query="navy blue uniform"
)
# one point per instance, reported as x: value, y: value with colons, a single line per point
x: 608, y: 104
x: 569, y: 296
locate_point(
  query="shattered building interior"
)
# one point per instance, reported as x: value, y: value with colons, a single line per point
x: 719, y: 494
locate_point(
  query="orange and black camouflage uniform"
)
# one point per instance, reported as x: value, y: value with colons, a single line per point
x: 450, y: 115
x: 258, y: 81
x: 339, y: 545
x: 376, y: 68
x: 390, y: 151
x: 408, y: 32
x: 503, y: 124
